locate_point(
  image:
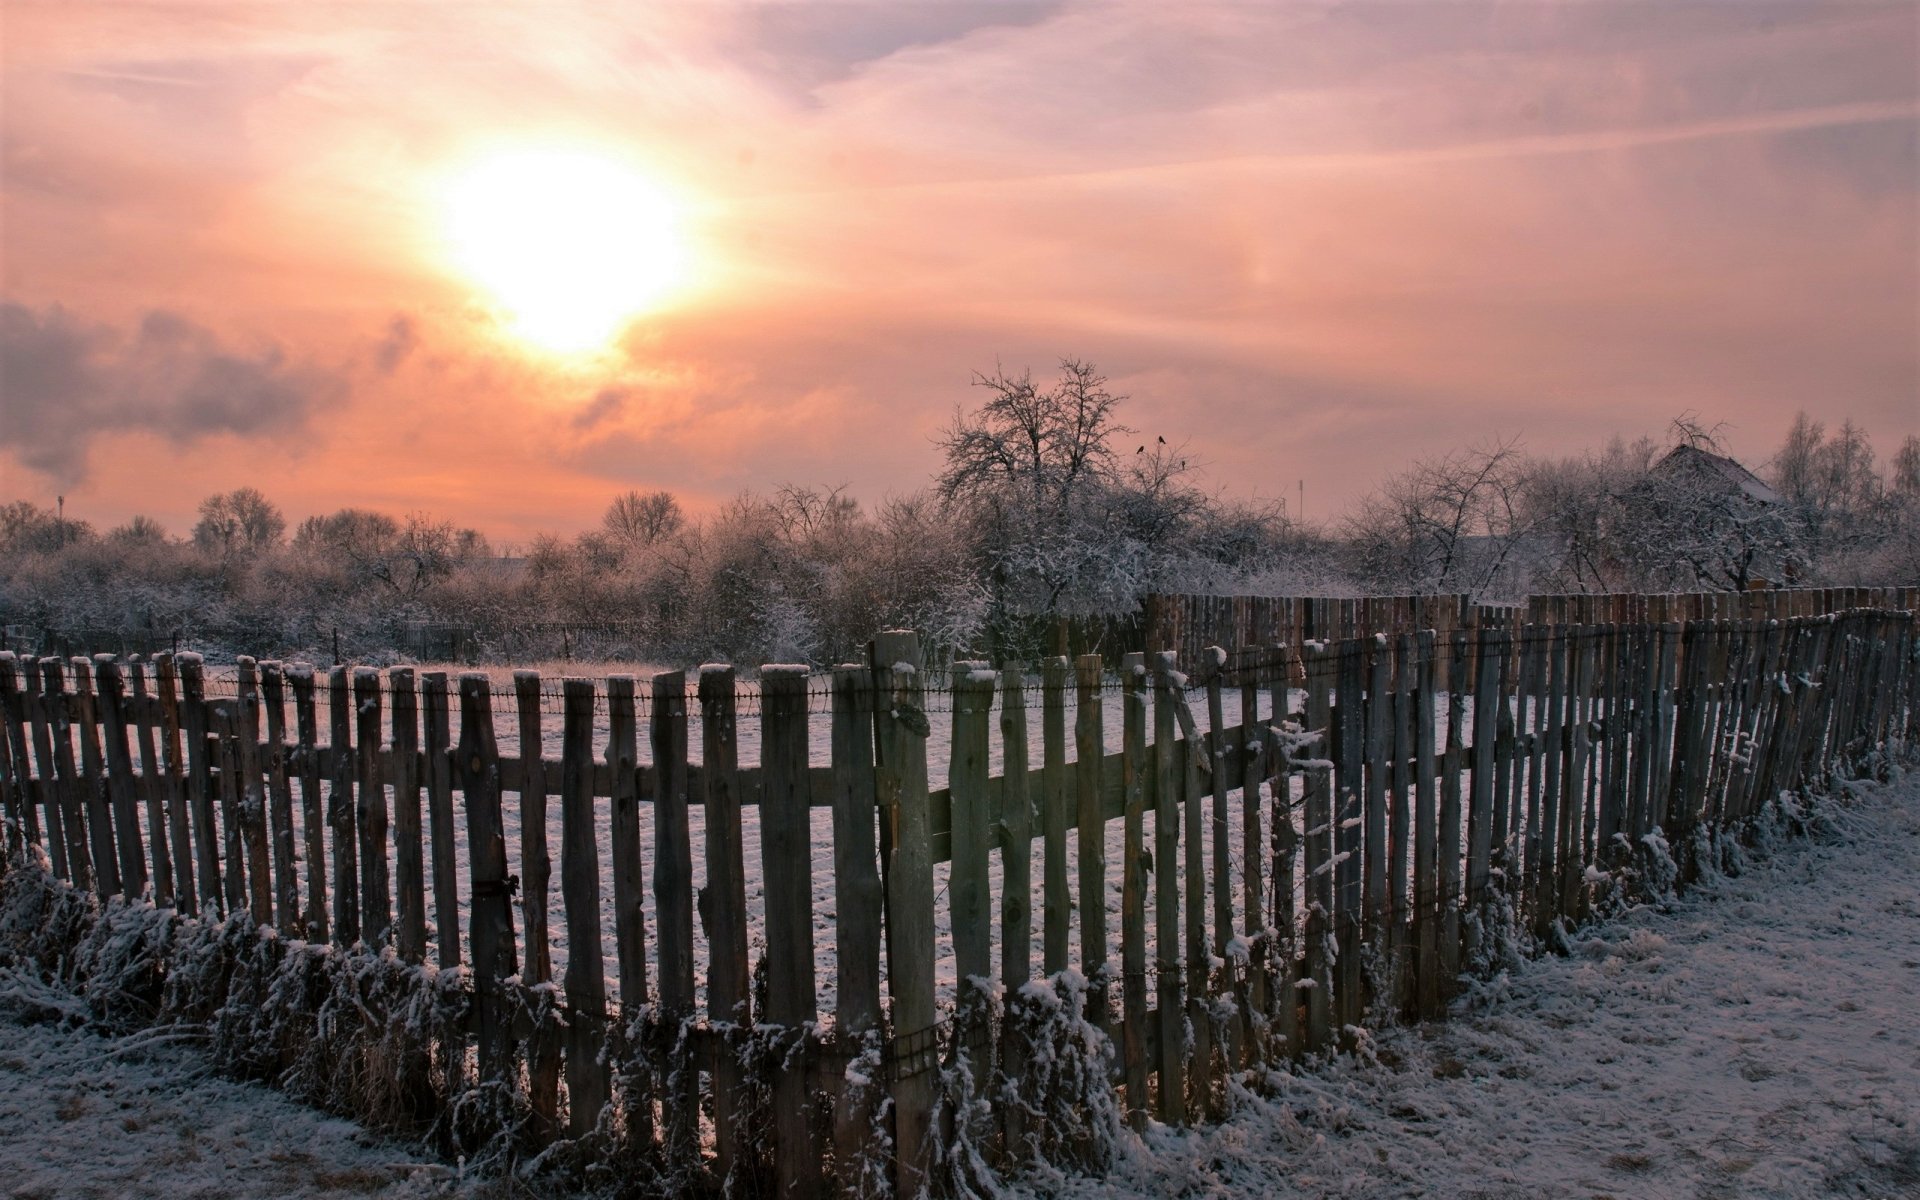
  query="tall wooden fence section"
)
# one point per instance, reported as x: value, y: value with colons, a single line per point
x: 1213, y: 871
x: 1187, y: 624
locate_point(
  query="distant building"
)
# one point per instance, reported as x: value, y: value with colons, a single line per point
x: 1713, y: 472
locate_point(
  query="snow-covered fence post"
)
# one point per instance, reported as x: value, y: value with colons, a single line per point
x: 286, y: 881
x: 409, y: 857
x: 673, y: 900
x: 1251, y: 746
x: 588, y: 1088
x: 1349, y: 813
x: 579, y: 851
x: 112, y: 708
x: 786, y: 857
x: 969, y: 890
x: 437, y: 771
x: 1317, y: 849
x: 15, y: 770
x: 536, y: 875
x: 341, y: 817
x: 376, y: 901
x: 723, y: 907
x: 1134, y: 785
x: 1014, y: 828
x: 1090, y: 752
x: 1057, y: 906
x: 900, y: 786
x: 61, y: 838
x: 313, y: 819
x: 858, y: 902
x: 93, y: 781
x: 491, y: 911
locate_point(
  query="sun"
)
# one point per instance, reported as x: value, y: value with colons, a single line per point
x: 570, y: 244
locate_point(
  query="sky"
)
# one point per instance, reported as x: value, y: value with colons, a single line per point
x: 243, y: 244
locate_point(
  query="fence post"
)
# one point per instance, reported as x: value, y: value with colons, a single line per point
x: 858, y: 901
x: 106, y: 864
x: 1090, y: 753
x: 968, y: 889
x: 340, y: 805
x: 900, y: 785
x: 787, y: 866
x: 376, y: 902
x: 1133, y: 905
x: 286, y: 880
x: 1058, y: 904
x: 673, y: 908
x: 438, y: 760
x: 544, y: 1053
x: 1015, y: 829
x: 63, y: 843
x: 723, y: 905
x: 409, y: 856
x: 313, y: 821
x: 490, y: 922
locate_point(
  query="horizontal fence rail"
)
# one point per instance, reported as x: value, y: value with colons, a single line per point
x: 719, y: 926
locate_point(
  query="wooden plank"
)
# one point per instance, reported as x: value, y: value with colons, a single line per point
x: 1015, y: 836
x: 858, y: 902
x: 1134, y: 776
x: 1089, y: 763
x: 1256, y: 1004
x: 1196, y: 751
x: 225, y: 720
x: 1317, y: 842
x: 1349, y: 758
x: 787, y: 866
x: 93, y: 775
x: 490, y: 920
x: 1057, y: 905
x: 409, y: 856
x: 1166, y: 802
x: 193, y: 716
x: 1377, y: 755
x: 1451, y: 857
x: 673, y: 905
x: 723, y: 907
x: 65, y: 844
x: 580, y: 844
x: 588, y: 1088
x: 1426, y: 829
x: 1400, y: 758
x: 1223, y: 780
x: 286, y: 871
x: 1553, y: 731
x: 1015, y: 833
x: 370, y: 811
x: 153, y: 783
x: 251, y: 805
x: 544, y: 1053
x: 968, y: 891
x: 1491, y: 646
x: 313, y: 816
x: 121, y: 789
x: 16, y: 768
x: 900, y: 781
x: 341, y: 815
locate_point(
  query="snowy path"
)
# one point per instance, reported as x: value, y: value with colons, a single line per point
x: 1760, y: 1039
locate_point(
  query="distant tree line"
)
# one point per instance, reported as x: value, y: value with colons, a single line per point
x: 1046, y: 507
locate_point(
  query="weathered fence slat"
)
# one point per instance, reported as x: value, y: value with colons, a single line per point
x: 121, y: 789
x: 93, y: 777
x: 409, y: 854
x: 723, y: 907
x: 858, y: 902
x: 286, y: 871
x: 588, y: 1088
x: 370, y: 811
x: 1090, y: 827
x: 786, y: 860
x: 536, y: 888
x: 436, y: 716
x: 1134, y: 776
x: 1057, y: 905
x: 673, y: 908
x: 341, y: 817
x: 490, y: 919
x: 153, y: 783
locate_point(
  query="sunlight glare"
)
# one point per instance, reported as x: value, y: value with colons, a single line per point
x: 570, y: 244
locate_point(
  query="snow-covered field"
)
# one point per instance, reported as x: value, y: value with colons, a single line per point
x: 1755, y: 1039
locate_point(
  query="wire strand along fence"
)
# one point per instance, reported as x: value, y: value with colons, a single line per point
x: 1268, y: 854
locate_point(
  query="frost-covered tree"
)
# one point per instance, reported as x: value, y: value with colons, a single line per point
x: 1446, y: 524
x: 242, y: 520
x: 643, y: 518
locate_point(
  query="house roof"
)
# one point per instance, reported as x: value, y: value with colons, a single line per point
x: 1717, y: 469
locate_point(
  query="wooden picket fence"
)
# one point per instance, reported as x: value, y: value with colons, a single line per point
x: 1419, y: 806
x: 1188, y: 623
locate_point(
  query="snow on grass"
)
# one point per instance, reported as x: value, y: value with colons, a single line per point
x: 88, y: 1115
x: 1755, y: 1039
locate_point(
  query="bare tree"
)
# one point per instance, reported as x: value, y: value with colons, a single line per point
x: 643, y: 518
x: 1446, y: 524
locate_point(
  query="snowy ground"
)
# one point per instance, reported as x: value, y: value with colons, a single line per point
x: 1758, y: 1038
x: 91, y: 1116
